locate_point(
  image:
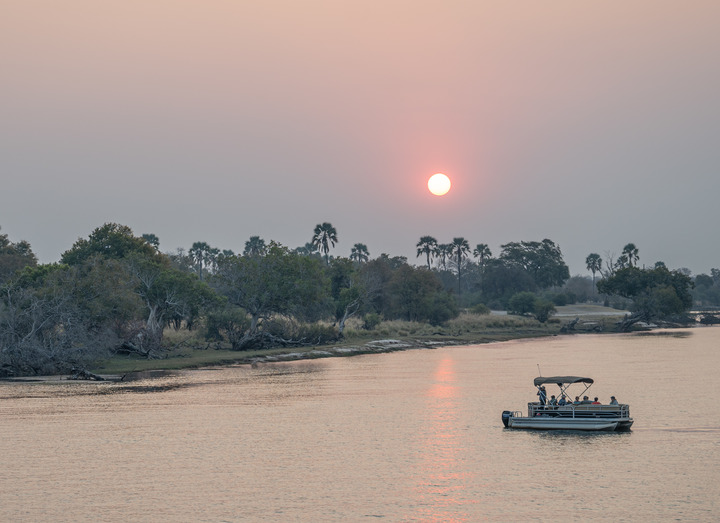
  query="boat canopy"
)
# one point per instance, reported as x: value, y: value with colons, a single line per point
x: 560, y: 380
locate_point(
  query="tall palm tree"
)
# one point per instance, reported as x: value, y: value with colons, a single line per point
x: 460, y: 251
x: 427, y: 246
x: 255, y: 246
x: 359, y: 253
x: 200, y: 253
x: 324, y: 237
x: 593, y: 262
x: 483, y: 252
x: 632, y: 253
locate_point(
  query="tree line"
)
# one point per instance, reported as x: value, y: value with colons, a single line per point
x: 114, y: 292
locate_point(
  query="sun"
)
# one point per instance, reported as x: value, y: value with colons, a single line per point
x: 439, y: 184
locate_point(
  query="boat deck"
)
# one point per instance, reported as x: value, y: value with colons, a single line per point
x: 579, y: 411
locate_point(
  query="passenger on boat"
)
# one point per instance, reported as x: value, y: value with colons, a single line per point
x: 577, y: 400
x: 542, y: 394
x: 562, y: 401
x: 553, y: 401
x: 596, y: 402
x: 586, y: 400
x: 613, y: 401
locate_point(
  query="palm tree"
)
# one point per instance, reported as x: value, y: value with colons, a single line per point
x: 255, y: 246
x: 444, y: 251
x: 199, y: 254
x: 483, y: 252
x: 324, y: 237
x: 632, y: 253
x: 359, y: 253
x: 427, y: 246
x: 460, y: 250
x: 307, y: 250
x: 593, y: 262
x: 622, y: 262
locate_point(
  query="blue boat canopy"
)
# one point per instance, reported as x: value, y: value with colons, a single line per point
x: 561, y: 380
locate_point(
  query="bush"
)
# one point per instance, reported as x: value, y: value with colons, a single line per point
x: 480, y: 309
x: 371, y: 320
x: 229, y: 323
x: 560, y: 299
x: 440, y: 308
x: 543, y: 310
x: 522, y: 303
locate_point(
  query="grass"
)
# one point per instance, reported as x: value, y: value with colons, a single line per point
x: 188, y: 349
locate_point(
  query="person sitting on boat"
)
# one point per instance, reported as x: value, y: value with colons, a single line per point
x: 553, y: 402
x: 613, y: 401
x: 562, y: 401
x: 586, y: 400
x: 596, y: 402
x: 577, y: 400
x: 542, y: 394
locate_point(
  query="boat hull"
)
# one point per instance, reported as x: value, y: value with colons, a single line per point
x: 559, y: 420
x: 562, y: 424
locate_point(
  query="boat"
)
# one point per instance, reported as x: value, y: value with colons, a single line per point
x: 585, y: 416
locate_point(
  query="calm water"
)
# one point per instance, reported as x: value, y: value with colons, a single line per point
x: 408, y: 436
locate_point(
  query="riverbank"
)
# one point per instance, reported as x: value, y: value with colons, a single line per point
x: 187, y: 350
x: 467, y: 329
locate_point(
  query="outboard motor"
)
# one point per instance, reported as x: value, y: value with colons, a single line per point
x: 506, y: 415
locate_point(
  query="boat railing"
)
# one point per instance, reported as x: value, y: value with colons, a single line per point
x: 585, y: 409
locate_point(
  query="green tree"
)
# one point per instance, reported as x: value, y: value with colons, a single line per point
x: 593, y: 262
x: 543, y: 310
x: 109, y: 241
x: 359, y: 253
x: 152, y: 239
x: 201, y: 253
x: 444, y: 251
x: 427, y: 246
x: 522, y: 303
x: 416, y: 294
x: 307, y: 250
x: 14, y: 257
x: 281, y: 282
x: 542, y: 261
x: 483, y: 252
x: 55, y: 317
x: 631, y: 254
x: 324, y: 237
x: 460, y: 251
x: 168, y: 294
x: 655, y: 293
x: 255, y: 246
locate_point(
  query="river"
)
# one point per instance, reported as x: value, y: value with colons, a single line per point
x: 404, y: 436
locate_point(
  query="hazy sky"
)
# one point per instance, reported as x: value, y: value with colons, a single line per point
x: 592, y: 123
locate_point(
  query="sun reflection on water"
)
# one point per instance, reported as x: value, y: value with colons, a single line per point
x: 442, y: 493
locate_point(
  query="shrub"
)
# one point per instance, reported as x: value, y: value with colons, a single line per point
x: 542, y: 310
x: 522, y: 303
x: 480, y: 309
x: 560, y: 299
x: 229, y: 323
x: 371, y: 320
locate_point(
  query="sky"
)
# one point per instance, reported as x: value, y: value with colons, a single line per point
x: 594, y: 123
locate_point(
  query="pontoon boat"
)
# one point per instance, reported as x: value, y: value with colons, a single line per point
x: 582, y: 416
